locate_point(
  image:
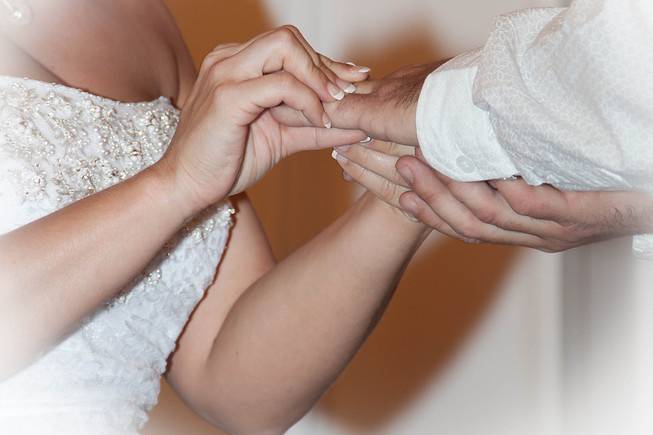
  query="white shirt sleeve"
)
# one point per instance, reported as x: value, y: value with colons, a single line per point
x: 561, y: 96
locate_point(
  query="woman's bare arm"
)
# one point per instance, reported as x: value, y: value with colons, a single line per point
x: 57, y: 270
x: 267, y: 342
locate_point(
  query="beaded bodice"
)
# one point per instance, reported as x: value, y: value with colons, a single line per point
x: 59, y: 145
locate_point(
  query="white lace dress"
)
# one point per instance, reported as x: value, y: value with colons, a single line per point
x: 57, y: 146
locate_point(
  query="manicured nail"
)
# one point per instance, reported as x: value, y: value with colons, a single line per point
x: 336, y: 92
x: 366, y: 140
x: 410, y: 216
x: 350, y: 89
x: 362, y: 69
x: 327, y: 121
x: 343, y: 148
x: 407, y: 174
x: 337, y: 157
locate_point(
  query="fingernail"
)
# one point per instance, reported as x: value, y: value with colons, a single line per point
x: 350, y: 89
x: 493, y: 184
x: 343, y: 148
x: 410, y: 216
x: 408, y: 206
x: 337, y: 157
x: 366, y: 140
x: 407, y: 174
x: 362, y: 69
x: 327, y: 121
x: 346, y: 176
x: 336, y: 92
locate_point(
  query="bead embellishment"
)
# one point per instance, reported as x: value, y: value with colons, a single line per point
x: 59, y: 145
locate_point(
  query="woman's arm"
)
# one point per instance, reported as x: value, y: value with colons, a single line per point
x: 57, y: 270
x: 267, y: 342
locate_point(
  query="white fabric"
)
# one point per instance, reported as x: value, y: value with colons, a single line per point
x: 59, y: 145
x: 557, y: 96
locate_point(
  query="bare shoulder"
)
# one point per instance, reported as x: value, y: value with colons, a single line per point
x: 126, y: 50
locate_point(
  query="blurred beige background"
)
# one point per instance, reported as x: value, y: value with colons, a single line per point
x: 467, y: 346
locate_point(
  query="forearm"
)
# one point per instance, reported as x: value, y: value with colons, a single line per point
x: 59, y: 269
x: 289, y: 336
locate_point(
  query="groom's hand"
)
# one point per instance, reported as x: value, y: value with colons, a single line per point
x: 386, y: 108
x: 514, y: 213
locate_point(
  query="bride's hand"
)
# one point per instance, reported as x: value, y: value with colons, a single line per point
x: 227, y: 140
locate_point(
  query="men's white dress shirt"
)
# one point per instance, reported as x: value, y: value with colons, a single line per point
x: 562, y: 96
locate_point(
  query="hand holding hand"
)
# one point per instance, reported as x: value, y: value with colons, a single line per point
x: 515, y: 213
x: 386, y: 109
x: 372, y: 165
x: 227, y: 138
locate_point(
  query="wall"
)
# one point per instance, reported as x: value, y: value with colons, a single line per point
x: 470, y: 343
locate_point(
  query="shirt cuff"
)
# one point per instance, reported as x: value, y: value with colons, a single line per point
x: 455, y: 136
x: 643, y: 246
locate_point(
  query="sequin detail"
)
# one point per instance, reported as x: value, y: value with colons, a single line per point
x: 59, y: 145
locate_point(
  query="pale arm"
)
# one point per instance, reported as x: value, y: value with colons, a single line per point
x: 292, y: 332
x: 53, y: 272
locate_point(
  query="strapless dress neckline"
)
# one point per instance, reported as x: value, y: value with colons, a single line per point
x: 60, y: 87
x: 59, y: 145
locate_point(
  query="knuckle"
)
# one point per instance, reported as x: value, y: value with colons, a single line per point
x: 291, y: 28
x: 571, y: 234
x: 215, y: 70
x: 284, y: 36
x: 469, y: 230
x: 522, y: 206
x: 388, y: 190
x: 221, y: 94
x: 208, y: 62
x: 430, y: 196
x: 487, y: 215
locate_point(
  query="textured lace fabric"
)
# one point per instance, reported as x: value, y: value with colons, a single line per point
x: 557, y: 96
x: 57, y: 146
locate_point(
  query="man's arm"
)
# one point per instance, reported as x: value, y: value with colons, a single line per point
x: 555, y: 96
x: 538, y: 101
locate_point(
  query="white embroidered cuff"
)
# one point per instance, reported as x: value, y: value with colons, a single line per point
x: 455, y: 136
x: 643, y: 246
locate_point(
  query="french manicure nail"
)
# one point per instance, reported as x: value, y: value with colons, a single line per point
x: 336, y: 92
x: 350, y: 89
x: 338, y: 157
x: 343, y: 148
x: 366, y: 140
x: 327, y: 121
x: 362, y: 69
x: 410, y: 216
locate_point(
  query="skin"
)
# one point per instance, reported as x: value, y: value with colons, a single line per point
x: 502, y: 212
x: 269, y: 338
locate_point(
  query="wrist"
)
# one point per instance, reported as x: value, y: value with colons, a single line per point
x: 163, y: 184
x: 402, y: 221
